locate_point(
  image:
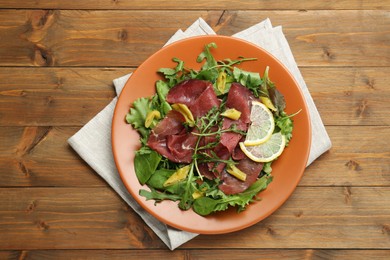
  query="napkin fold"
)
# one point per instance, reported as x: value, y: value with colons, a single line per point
x: 93, y: 141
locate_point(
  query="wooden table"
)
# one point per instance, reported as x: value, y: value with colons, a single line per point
x: 57, y: 62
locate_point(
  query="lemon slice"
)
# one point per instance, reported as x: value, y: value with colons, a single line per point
x: 262, y: 125
x: 267, y: 151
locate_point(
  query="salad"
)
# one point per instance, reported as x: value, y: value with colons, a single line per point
x: 209, y: 136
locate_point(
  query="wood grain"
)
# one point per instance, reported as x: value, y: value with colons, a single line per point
x: 93, y: 218
x: 228, y: 254
x: 40, y: 156
x: 57, y: 63
x: 104, y: 38
x: 69, y: 96
x: 202, y: 4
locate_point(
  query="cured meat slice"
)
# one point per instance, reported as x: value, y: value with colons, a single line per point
x: 170, y: 139
x: 238, y: 154
x: 231, y: 139
x: 205, y: 171
x: 181, y: 146
x: 197, y: 95
x: 171, y: 124
x: 231, y: 185
x: 240, y: 98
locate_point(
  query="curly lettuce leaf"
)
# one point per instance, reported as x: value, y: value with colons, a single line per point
x: 137, y: 115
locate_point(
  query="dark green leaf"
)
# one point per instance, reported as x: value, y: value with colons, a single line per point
x: 145, y: 165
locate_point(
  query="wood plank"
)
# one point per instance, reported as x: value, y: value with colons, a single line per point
x: 228, y: 254
x: 202, y: 4
x: 70, y: 96
x: 288, y: 254
x: 94, y: 254
x: 55, y: 37
x: 40, y: 156
x: 70, y: 218
x: 95, y: 218
x: 352, y: 160
x: 44, y: 96
x: 350, y: 96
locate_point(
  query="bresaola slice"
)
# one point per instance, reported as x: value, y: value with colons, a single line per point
x: 240, y: 98
x: 197, y: 95
x: 231, y: 185
x: 177, y: 143
x: 170, y: 139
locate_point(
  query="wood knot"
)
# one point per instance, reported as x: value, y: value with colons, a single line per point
x: 42, y: 225
x: 347, y: 195
x: 327, y: 54
x: 298, y: 214
x: 369, y: 82
x: 42, y: 56
x: 60, y: 82
x: 37, y: 25
x: 41, y: 18
x: 31, y: 206
x: 122, y: 35
x: 362, y: 108
x: 49, y: 100
x: 386, y: 229
x: 271, y: 231
x: 353, y: 165
x: 348, y: 93
x: 22, y: 167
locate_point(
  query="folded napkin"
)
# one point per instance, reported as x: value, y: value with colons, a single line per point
x: 93, y: 141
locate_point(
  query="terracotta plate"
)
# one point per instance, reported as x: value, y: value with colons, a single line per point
x: 287, y: 170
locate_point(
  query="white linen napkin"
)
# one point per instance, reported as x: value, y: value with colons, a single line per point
x: 93, y: 141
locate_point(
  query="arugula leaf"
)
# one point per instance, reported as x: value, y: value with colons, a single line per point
x: 206, y: 55
x: 145, y: 164
x: 285, y: 124
x: 153, y: 194
x: 209, y: 70
x: 162, y: 90
x: 175, y: 75
x: 251, y: 80
x: 210, y: 75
